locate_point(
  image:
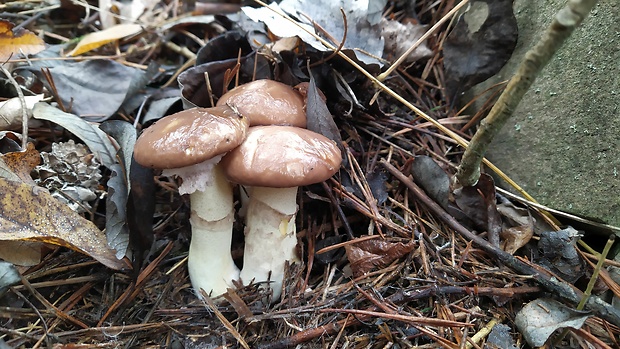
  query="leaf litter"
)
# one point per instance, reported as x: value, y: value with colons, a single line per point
x: 381, y: 266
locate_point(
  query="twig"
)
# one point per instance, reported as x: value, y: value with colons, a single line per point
x: 46, y: 335
x: 615, y: 229
x: 66, y: 306
x: 482, y: 333
x: 51, y: 307
x: 223, y: 320
x: 597, y: 269
x: 338, y: 207
x: 428, y: 33
x: 566, y: 20
x: 309, y: 334
x: 414, y: 320
x: 551, y: 283
x: 22, y: 101
x: 134, y: 289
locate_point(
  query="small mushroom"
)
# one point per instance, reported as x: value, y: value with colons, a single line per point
x: 275, y: 160
x: 190, y: 144
x: 267, y: 102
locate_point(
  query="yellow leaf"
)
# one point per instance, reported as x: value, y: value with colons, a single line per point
x: 30, y: 213
x: 14, y: 42
x: 100, y: 38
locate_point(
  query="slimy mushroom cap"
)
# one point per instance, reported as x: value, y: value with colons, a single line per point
x: 190, y: 137
x: 282, y: 157
x: 267, y: 102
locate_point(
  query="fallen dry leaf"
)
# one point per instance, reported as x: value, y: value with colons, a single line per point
x: 557, y: 252
x: 538, y: 319
x: 100, y: 38
x: 30, y: 213
x: 480, y: 44
x: 13, y: 42
x: 399, y: 37
x: 11, y: 111
x: 23, y: 162
x: 22, y: 253
x: 478, y: 203
x: 369, y: 255
x: 514, y: 238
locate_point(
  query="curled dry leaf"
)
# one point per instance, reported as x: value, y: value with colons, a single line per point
x: 22, y: 163
x: 540, y: 318
x: 11, y: 111
x: 320, y: 120
x: 117, y: 230
x: 558, y: 253
x: 14, y: 42
x: 480, y: 44
x: 30, y: 213
x: 514, y: 238
x: 369, y: 255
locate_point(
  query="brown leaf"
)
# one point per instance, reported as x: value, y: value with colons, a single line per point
x: 369, y: 255
x: 516, y: 237
x: 14, y: 42
x: 23, y: 162
x: 30, y: 213
x: 478, y: 203
x: 518, y: 228
x: 22, y: 253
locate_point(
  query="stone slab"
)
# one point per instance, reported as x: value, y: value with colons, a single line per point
x: 563, y: 143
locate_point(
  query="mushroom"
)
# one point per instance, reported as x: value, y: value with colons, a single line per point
x: 190, y: 144
x: 275, y: 160
x: 267, y: 102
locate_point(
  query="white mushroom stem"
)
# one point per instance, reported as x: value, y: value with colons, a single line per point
x: 270, y: 238
x: 210, y: 263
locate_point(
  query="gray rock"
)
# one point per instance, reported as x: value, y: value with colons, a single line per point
x: 563, y: 143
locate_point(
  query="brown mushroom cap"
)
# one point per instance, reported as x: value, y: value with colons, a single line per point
x: 190, y: 137
x: 282, y: 157
x: 267, y: 102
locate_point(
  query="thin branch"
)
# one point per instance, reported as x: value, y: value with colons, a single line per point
x: 22, y: 100
x: 554, y: 285
x: 565, y: 21
x: 426, y: 35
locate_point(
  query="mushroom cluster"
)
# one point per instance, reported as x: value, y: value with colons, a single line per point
x: 256, y: 131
